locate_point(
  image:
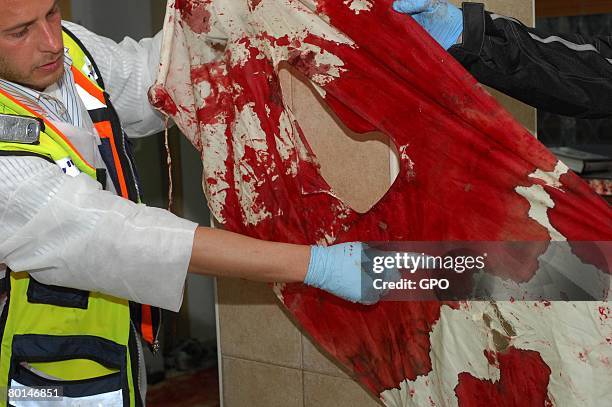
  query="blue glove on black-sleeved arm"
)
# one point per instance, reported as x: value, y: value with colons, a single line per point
x: 443, y: 21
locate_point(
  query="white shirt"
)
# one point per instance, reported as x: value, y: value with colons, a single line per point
x: 59, y: 102
x: 66, y: 230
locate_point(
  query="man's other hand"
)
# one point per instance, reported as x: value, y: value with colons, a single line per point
x: 443, y: 21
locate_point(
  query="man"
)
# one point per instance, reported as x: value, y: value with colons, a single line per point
x: 59, y: 228
x: 559, y: 73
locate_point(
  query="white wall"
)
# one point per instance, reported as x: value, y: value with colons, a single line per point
x: 114, y: 18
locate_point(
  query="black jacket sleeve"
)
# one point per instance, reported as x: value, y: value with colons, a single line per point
x: 559, y: 73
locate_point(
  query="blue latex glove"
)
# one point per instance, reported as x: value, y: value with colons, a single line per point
x: 337, y: 269
x: 443, y: 21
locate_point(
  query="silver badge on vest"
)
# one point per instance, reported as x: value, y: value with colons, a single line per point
x: 20, y: 129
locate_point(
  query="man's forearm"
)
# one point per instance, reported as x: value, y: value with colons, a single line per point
x: 221, y: 253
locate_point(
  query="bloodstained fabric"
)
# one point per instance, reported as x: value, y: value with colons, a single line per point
x: 379, y: 71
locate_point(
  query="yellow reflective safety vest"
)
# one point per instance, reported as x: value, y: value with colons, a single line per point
x: 82, y: 344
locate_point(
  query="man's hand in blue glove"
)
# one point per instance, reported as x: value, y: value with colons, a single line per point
x: 337, y: 269
x: 443, y: 21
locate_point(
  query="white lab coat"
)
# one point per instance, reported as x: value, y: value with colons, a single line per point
x: 69, y: 232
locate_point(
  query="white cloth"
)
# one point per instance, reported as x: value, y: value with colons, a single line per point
x: 67, y: 231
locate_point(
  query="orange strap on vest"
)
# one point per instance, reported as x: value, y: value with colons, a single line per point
x: 104, y: 128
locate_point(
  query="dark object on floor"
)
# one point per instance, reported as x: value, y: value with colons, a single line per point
x: 195, y: 389
x: 192, y: 354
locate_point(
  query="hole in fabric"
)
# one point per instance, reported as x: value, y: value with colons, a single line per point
x: 359, y: 167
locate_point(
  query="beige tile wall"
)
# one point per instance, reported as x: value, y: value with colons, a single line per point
x: 266, y: 361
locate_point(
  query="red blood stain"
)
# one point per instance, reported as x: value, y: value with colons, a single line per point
x: 253, y: 4
x: 523, y: 382
x: 604, y: 311
x: 283, y: 41
x: 217, y: 105
x: 491, y: 357
x: 356, y: 123
x: 195, y: 13
x: 162, y: 100
x: 278, y: 42
x: 207, y: 72
x: 305, y: 62
x: 276, y: 95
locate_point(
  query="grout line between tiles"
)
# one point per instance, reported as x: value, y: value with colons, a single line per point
x: 303, y: 372
x: 261, y: 362
x: 265, y: 362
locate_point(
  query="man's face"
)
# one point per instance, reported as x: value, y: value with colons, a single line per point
x: 31, y: 45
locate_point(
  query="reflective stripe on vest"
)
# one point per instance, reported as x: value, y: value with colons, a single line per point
x: 53, y: 143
